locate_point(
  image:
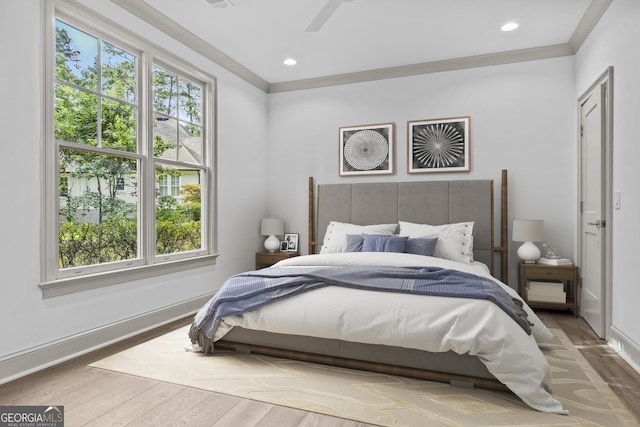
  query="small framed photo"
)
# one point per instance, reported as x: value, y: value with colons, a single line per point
x: 366, y: 150
x: 438, y: 145
x: 290, y: 243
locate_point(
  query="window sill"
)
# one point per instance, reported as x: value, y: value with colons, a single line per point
x: 95, y: 281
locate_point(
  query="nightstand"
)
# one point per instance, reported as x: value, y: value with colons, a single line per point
x: 267, y: 259
x: 543, y: 274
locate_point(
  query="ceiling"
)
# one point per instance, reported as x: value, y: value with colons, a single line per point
x: 368, y: 39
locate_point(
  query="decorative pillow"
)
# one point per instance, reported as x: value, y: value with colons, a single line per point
x: 371, y: 243
x: 421, y: 246
x: 455, y: 241
x: 354, y: 243
x: 335, y: 238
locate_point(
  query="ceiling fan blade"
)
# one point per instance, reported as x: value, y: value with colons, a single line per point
x: 220, y: 3
x: 323, y: 16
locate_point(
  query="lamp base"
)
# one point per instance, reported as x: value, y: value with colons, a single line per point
x: 529, y: 252
x: 272, y: 243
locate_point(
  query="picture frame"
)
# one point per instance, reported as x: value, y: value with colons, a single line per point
x: 290, y: 242
x: 366, y: 150
x: 284, y: 245
x: 438, y: 145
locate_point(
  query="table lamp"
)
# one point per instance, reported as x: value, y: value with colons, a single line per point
x: 271, y: 227
x: 528, y: 231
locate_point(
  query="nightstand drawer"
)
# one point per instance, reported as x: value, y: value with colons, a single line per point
x: 555, y: 273
x: 267, y: 259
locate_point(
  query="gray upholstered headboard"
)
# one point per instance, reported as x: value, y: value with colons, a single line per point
x: 424, y: 202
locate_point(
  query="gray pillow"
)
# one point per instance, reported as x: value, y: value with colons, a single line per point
x: 421, y: 246
x: 376, y: 243
x: 354, y: 243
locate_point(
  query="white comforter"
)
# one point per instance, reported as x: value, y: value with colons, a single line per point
x: 434, y: 324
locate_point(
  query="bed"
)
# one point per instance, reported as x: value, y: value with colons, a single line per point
x: 443, y: 228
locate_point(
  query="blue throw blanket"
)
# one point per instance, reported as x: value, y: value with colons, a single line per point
x: 248, y: 291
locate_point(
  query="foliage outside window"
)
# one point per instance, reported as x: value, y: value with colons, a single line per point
x: 132, y: 176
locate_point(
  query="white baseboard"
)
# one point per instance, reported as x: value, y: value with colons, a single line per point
x: 35, y: 359
x: 625, y: 347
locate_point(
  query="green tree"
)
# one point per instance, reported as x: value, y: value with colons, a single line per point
x: 190, y: 193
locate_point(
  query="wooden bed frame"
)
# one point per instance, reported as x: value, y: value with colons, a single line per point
x: 448, y: 367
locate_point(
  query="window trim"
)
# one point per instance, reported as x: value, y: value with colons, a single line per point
x: 115, y: 277
x: 146, y: 265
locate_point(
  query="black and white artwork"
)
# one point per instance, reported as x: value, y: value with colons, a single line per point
x: 438, y: 145
x: 366, y: 150
x: 291, y: 242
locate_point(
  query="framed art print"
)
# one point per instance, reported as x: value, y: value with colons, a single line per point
x: 438, y: 145
x: 291, y: 242
x: 366, y: 150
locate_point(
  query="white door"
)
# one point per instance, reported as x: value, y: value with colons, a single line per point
x: 593, y: 224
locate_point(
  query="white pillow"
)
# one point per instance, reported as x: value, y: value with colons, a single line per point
x: 455, y: 241
x: 335, y: 238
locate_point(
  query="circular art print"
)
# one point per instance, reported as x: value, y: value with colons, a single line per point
x: 366, y: 150
x: 439, y: 145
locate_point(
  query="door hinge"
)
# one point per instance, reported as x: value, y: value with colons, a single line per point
x: 581, y: 130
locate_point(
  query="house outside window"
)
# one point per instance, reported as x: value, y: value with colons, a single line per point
x: 132, y: 173
x: 169, y: 185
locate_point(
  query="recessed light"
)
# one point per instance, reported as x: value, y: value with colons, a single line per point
x: 290, y: 62
x: 509, y: 26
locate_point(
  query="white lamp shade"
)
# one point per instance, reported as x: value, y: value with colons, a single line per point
x: 271, y: 227
x: 528, y: 231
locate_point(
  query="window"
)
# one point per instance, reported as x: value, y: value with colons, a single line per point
x: 168, y: 185
x: 132, y: 173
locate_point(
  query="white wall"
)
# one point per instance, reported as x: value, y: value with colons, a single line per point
x: 30, y: 323
x: 522, y: 119
x: 614, y: 42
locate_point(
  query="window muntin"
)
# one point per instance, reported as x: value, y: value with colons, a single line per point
x: 102, y: 147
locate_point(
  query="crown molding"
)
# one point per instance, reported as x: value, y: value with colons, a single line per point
x: 427, y: 68
x: 594, y: 12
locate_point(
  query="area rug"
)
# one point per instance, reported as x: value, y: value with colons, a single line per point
x: 375, y: 398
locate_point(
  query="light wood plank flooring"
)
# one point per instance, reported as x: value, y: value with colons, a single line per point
x: 94, y: 397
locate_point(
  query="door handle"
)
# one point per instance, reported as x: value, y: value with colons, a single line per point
x: 598, y: 223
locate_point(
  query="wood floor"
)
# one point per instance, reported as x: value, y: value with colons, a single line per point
x: 95, y: 397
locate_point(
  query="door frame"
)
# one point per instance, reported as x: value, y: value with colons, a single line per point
x: 607, y: 190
